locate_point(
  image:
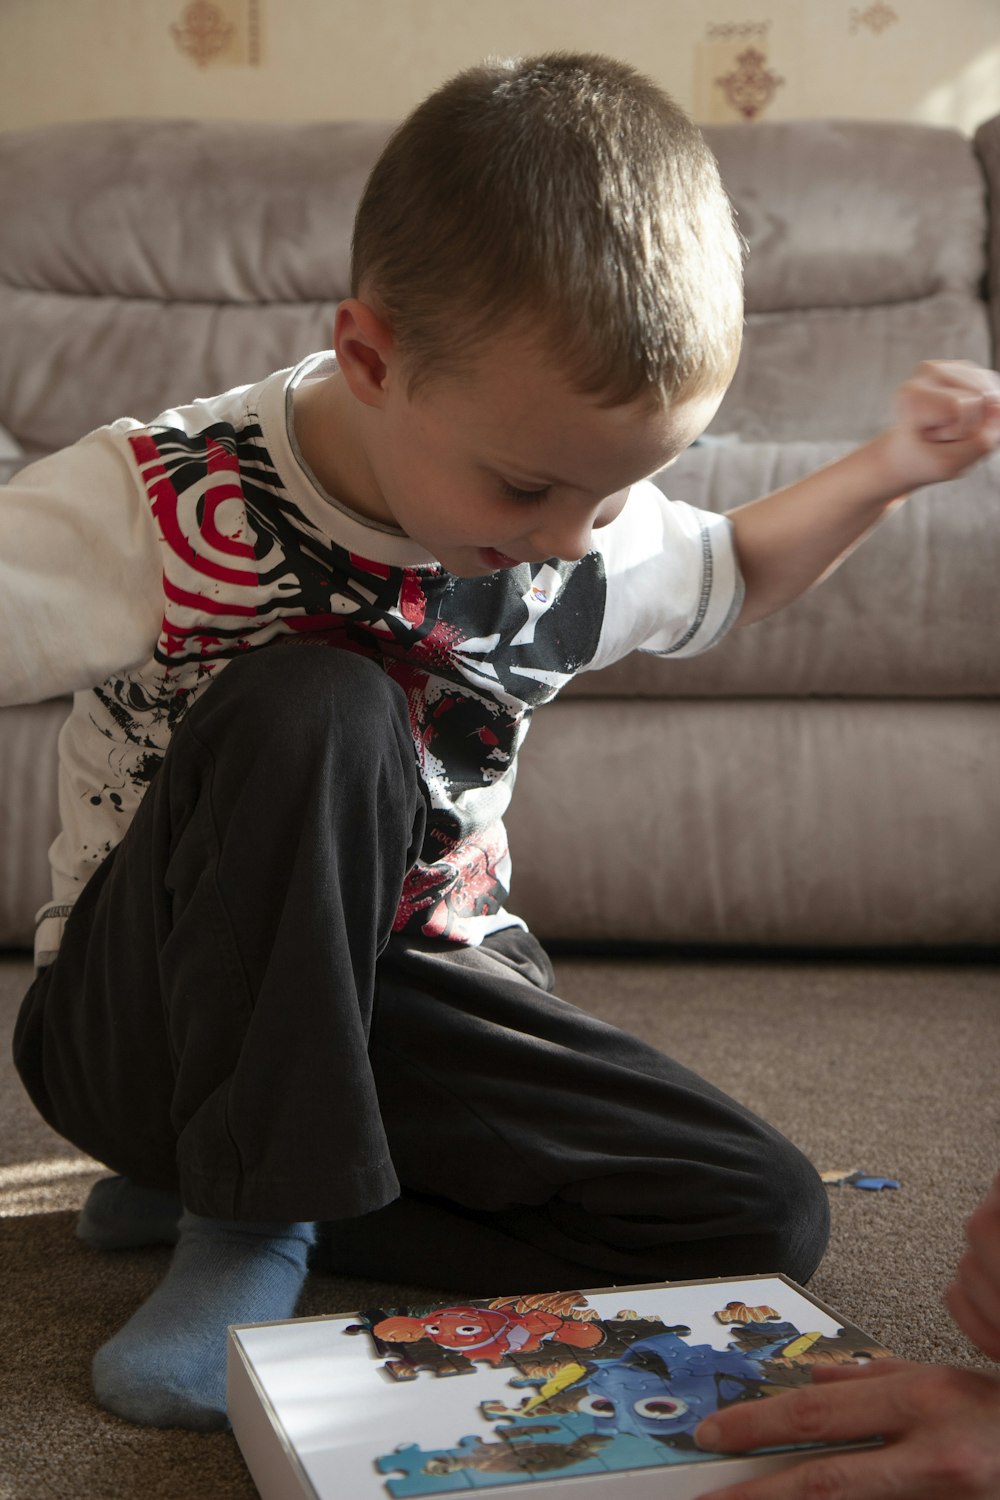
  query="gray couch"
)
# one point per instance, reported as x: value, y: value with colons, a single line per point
x: 828, y: 778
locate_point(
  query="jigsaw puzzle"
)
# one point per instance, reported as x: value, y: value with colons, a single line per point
x: 617, y: 1393
x: 553, y: 1388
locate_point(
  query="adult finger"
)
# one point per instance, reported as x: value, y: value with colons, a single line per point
x: 974, y: 1298
x: 874, y: 1474
x: 982, y: 1232
x: 968, y: 1314
x: 863, y: 1369
x: 831, y: 1412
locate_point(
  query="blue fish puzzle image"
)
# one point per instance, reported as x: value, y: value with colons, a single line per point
x: 663, y: 1387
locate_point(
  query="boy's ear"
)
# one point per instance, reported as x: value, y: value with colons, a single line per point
x: 365, y: 349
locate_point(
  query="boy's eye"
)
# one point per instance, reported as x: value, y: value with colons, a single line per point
x: 518, y: 494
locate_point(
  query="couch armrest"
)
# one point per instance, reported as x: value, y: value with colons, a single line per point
x: 987, y: 144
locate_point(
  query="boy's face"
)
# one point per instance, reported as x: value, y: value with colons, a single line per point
x: 509, y: 464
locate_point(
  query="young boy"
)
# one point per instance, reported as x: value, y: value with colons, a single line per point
x: 277, y: 985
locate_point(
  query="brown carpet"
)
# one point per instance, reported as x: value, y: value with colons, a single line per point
x: 886, y: 1066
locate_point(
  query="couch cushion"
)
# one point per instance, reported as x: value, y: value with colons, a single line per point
x: 769, y: 822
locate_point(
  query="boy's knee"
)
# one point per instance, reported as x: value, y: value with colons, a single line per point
x: 302, y: 696
x: 795, y: 1215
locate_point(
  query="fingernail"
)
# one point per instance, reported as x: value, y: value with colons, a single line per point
x: 707, y: 1434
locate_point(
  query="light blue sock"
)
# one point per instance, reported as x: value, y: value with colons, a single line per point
x: 167, y: 1366
x: 121, y: 1215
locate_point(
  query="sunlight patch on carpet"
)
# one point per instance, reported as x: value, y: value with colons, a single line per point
x: 50, y: 1185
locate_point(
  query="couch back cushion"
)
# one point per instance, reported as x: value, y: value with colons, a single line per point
x: 867, y: 253
x: 147, y: 262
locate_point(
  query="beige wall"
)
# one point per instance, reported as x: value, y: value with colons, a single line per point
x: 933, y: 60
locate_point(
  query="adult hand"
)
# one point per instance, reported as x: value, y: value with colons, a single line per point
x: 973, y: 1299
x: 940, y: 1425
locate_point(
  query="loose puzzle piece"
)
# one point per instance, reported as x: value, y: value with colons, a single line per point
x: 858, y: 1179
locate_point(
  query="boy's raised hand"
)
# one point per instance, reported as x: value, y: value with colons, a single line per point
x: 946, y: 417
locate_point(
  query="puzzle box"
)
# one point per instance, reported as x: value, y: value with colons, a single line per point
x: 580, y: 1394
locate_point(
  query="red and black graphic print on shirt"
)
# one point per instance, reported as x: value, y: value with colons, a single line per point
x: 244, y: 567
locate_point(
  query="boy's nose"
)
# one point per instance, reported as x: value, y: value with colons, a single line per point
x: 568, y: 538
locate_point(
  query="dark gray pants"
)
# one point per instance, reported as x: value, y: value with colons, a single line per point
x: 230, y: 1017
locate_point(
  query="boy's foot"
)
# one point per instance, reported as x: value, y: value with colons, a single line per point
x: 121, y: 1215
x: 167, y: 1366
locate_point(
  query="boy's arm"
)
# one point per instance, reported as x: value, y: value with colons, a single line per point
x: 947, y: 417
x: 80, y: 593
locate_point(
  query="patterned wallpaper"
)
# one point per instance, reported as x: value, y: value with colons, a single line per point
x: 724, y: 60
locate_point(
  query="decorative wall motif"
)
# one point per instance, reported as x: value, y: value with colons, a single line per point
x: 219, y: 31
x: 738, y: 31
x: 751, y: 85
x: 203, y: 32
x: 876, y: 17
x: 734, y: 79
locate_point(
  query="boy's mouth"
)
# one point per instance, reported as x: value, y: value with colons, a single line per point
x: 494, y: 559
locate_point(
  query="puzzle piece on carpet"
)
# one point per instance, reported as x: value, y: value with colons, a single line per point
x: 857, y: 1179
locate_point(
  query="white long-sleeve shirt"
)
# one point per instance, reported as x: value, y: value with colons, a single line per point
x: 136, y: 564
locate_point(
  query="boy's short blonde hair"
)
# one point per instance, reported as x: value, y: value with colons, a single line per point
x: 566, y: 195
